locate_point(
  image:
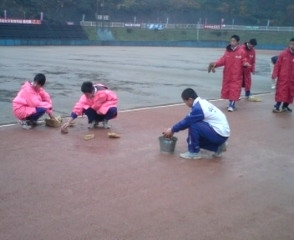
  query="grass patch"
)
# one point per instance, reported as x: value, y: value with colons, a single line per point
x: 137, y: 34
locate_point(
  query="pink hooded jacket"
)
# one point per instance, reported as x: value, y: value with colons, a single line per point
x: 28, y: 98
x: 101, y: 102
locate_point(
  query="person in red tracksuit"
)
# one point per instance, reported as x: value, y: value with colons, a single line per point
x: 250, y: 55
x: 233, y: 61
x: 283, y: 73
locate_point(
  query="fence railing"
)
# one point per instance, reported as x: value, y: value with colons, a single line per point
x: 187, y: 26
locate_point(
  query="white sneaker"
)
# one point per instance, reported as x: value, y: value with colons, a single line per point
x: 230, y: 109
x: 276, y: 110
x: 106, y: 124
x: 286, y: 109
x: 93, y: 125
x: 190, y: 155
x: 35, y: 123
x: 222, y: 148
x: 24, y: 124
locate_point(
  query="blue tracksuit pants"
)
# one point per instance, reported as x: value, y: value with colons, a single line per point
x: 93, y: 116
x: 202, y: 135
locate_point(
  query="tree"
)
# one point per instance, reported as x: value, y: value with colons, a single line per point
x: 279, y: 12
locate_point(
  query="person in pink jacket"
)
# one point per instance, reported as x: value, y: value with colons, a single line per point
x: 283, y: 73
x: 32, y: 102
x: 233, y: 61
x: 250, y: 56
x: 98, y: 103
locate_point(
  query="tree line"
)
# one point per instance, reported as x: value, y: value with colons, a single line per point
x: 241, y: 12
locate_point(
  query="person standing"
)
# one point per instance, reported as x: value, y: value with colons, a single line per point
x: 250, y: 56
x: 233, y: 61
x: 283, y: 73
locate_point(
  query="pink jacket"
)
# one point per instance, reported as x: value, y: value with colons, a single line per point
x: 102, y: 101
x: 27, y: 99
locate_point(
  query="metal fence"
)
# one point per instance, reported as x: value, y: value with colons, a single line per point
x: 189, y: 26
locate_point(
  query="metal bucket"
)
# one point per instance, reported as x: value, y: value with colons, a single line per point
x: 167, y: 145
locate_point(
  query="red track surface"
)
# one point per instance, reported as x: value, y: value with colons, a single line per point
x: 55, y: 186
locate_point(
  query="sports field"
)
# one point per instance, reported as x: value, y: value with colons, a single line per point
x: 59, y: 186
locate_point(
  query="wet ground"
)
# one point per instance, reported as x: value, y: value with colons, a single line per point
x: 56, y: 186
x: 142, y: 76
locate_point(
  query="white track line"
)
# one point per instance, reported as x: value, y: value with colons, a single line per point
x: 149, y: 108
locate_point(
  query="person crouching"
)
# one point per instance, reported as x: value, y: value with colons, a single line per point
x: 98, y: 103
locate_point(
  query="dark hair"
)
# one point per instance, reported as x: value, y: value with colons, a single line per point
x: 274, y: 59
x: 87, y: 87
x: 253, y: 41
x: 189, y: 93
x: 236, y: 37
x: 40, y: 79
x: 292, y: 40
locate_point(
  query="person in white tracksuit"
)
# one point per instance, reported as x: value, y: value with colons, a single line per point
x: 208, y: 127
